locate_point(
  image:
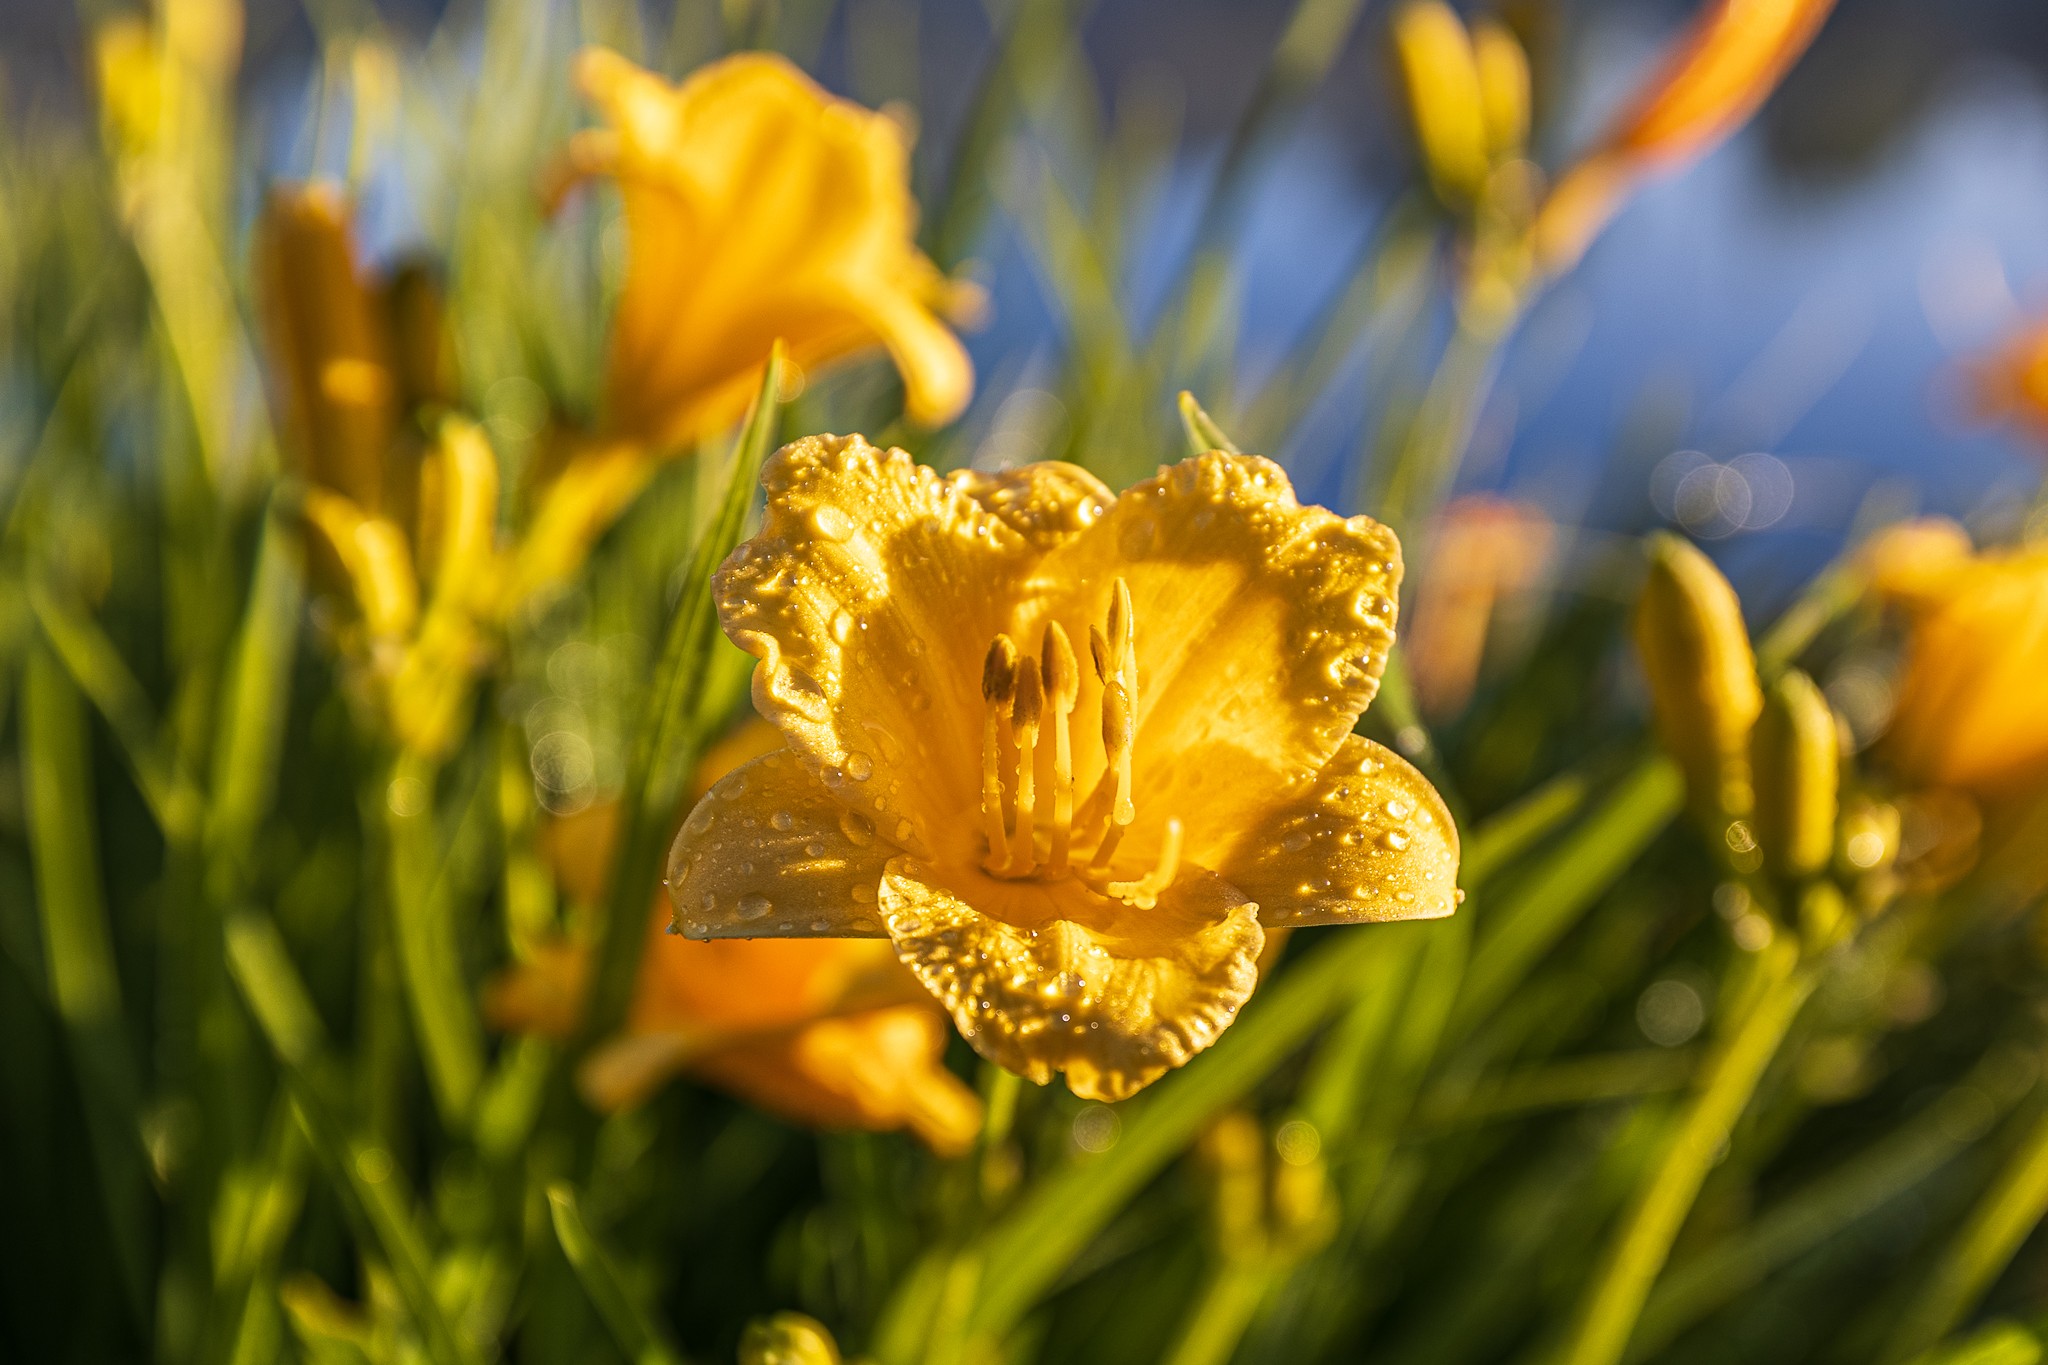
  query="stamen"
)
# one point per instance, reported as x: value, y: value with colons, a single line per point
x: 1098, y: 653
x: 1144, y: 893
x: 1062, y: 689
x: 1024, y: 714
x: 1118, y: 731
x: 998, y: 687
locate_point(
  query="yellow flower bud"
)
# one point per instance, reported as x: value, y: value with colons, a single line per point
x: 1445, y: 97
x: 788, y: 1339
x: 1703, y: 688
x: 1795, y: 758
x: 1503, y: 87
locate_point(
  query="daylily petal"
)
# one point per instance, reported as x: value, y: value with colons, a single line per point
x: 880, y: 1070
x: 870, y: 595
x: 770, y: 851
x: 758, y: 206
x: 1370, y: 840
x: 374, y: 554
x: 1263, y: 627
x: 1045, y: 977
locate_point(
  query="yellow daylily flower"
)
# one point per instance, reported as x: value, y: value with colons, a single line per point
x: 1079, y: 861
x: 828, y: 1033
x: 408, y: 533
x: 1969, y: 712
x: 1709, y: 84
x: 758, y: 206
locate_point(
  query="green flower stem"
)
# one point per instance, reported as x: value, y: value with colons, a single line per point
x: 1222, y: 1311
x: 1637, y: 1251
x: 2002, y: 1219
x: 96, y: 666
x: 671, y: 732
x: 1810, y: 1216
x: 1426, y: 465
x: 641, y: 1339
x: 422, y: 916
x: 78, y: 950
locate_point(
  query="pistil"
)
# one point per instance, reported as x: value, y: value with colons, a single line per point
x: 1024, y: 718
x: 998, y: 689
x: 1145, y: 891
x: 1062, y: 690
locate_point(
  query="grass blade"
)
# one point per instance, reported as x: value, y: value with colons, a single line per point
x: 670, y: 736
x: 638, y: 1336
x: 1529, y: 917
x: 78, y: 949
x: 364, y: 1174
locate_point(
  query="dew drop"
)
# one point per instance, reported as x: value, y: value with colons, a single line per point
x: 842, y: 625
x: 858, y: 829
x: 783, y: 821
x: 814, y: 849
x: 1296, y: 841
x: 859, y: 767
x: 1394, y: 839
x: 831, y: 523
x: 754, y: 906
x: 1398, y: 809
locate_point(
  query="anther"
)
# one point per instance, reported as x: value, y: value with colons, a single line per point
x: 998, y: 687
x: 1062, y: 680
x: 1024, y: 716
x: 1144, y: 893
x: 1098, y: 653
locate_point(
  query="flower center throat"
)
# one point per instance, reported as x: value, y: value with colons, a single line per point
x: 1032, y: 701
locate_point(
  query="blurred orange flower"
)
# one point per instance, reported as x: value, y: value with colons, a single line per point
x: 2011, y: 383
x: 1486, y: 549
x: 1709, y: 84
x: 758, y: 206
x: 832, y: 1033
x: 1970, y: 711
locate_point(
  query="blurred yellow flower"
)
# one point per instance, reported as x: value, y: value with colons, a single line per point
x: 1468, y: 95
x: 1083, y: 898
x: 1711, y: 81
x: 830, y: 1033
x: 1441, y: 77
x: 1970, y: 711
x: 409, y: 533
x: 758, y: 206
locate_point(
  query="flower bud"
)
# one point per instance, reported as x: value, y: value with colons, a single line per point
x: 1503, y: 87
x: 1703, y: 689
x: 788, y: 1339
x: 1445, y: 98
x: 1795, y: 760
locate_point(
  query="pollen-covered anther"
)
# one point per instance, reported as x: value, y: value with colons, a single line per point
x: 998, y: 690
x: 1062, y: 679
x: 1145, y: 891
x: 1026, y: 710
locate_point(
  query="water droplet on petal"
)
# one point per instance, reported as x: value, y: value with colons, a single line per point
x: 783, y: 821
x: 753, y: 907
x: 1395, y: 839
x: 858, y: 829
x: 1296, y: 841
x: 831, y: 523
x: 842, y: 625
x: 859, y: 767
